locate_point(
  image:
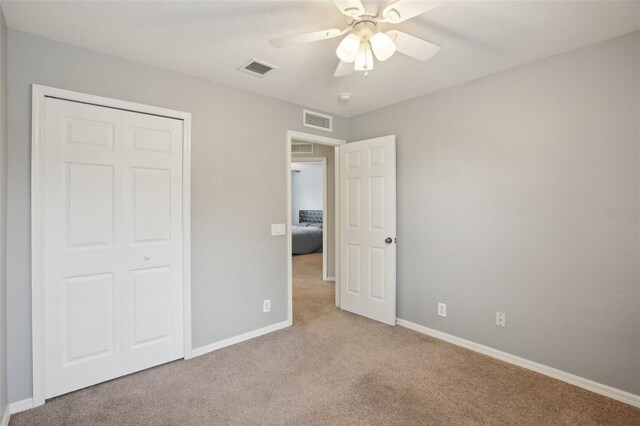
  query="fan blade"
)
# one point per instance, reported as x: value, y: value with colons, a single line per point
x: 402, y: 10
x: 351, y: 8
x: 305, y: 38
x: 415, y: 47
x: 344, y: 68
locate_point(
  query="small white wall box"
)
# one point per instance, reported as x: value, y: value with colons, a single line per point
x: 278, y: 229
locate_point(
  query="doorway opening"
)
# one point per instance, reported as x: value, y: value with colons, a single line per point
x: 309, y: 207
x: 312, y: 203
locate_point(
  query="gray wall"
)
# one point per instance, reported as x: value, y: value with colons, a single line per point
x: 307, y: 189
x: 238, y: 180
x: 3, y: 214
x: 519, y: 193
x: 328, y: 152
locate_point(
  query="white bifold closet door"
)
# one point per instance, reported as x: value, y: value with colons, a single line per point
x: 112, y: 243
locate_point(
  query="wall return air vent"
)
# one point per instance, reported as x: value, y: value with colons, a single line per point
x: 257, y: 68
x: 316, y: 120
x: 301, y: 148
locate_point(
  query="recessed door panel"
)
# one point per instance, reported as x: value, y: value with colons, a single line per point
x: 353, y: 265
x: 152, y: 140
x: 377, y: 201
x: 151, y: 205
x: 376, y: 157
x: 89, y: 195
x: 90, y: 133
x: 89, y: 308
x: 377, y: 265
x: 354, y: 200
x: 353, y: 161
x: 151, y: 304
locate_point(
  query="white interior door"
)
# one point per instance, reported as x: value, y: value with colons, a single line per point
x: 152, y: 231
x: 112, y: 211
x: 368, y: 228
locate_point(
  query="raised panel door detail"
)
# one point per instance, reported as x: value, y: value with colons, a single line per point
x: 89, y: 195
x: 89, y: 133
x: 376, y: 157
x: 354, y: 254
x: 151, y: 304
x: 378, y: 273
x: 151, y: 205
x: 377, y: 202
x: 89, y: 312
x: 353, y: 203
x: 353, y: 161
x: 152, y: 140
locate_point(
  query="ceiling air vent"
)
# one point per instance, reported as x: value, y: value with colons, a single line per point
x: 301, y: 148
x: 316, y: 120
x: 257, y: 68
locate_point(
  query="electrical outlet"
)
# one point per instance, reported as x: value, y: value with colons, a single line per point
x: 442, y: 309
x: 501, y: 319
x: 266, y: 305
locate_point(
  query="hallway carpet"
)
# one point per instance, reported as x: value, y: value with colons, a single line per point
x: 333, y: 367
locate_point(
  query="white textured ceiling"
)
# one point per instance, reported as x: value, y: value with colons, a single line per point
x: 211, y: 39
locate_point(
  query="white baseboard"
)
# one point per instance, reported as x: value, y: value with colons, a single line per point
x: 20, y: 406
x: 590, y: 385
x: 237, y: 339
x: 330, y: 279
x: 5, y: 417
x: 27, y: 404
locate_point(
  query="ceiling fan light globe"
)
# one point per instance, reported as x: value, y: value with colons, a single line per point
x: 352, y: 11
x: 383, y: 47
x: 348, y: 48
x: 364, y: 60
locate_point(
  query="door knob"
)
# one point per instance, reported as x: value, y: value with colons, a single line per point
x: 388, y: 240
x: 147, y: 257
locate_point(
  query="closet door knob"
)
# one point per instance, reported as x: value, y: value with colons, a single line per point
x: 147, y: 257
x: 388, y: 240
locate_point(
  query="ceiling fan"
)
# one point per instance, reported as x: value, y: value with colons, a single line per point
x: 364, y: 41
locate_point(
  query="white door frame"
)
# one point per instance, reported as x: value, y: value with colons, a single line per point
x: 39, y: 93
x: 323, y: 140
x: 322, y: 161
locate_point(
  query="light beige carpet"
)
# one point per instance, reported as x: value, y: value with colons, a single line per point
x: 332, y: 367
